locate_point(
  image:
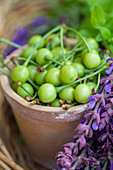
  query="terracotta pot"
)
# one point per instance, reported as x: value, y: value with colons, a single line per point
x: 44, y: 129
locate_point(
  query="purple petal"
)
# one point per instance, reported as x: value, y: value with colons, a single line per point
x: 70, y: 144
x: 111, y: 166
x: 92, y: 105
x: 111, y: 100
x: 101, y: 89
x: 100, y: 110
x: 91, y: 98
x: 104, y: 114
x: 109, y: 59
x: 110, y: 112
x: 84, y: 122
x: 108, y: 88
x: 67, y: 150
x: 95, y: 125
x: 109, y: 70
x: 106, y: 81
x: 82, y: 142
x: 82, y: 127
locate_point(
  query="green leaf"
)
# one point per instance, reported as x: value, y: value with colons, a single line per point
x: 111, y: 47
x: 98, y: 37
x: 105, y: 32
x: 98, y: 17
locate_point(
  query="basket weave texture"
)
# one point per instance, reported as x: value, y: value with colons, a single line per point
x: 13, y: 14
x: 18, y: 13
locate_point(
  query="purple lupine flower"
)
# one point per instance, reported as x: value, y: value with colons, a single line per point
x: 39, y: 21
x: 20, y: 34
x: 110, y: 62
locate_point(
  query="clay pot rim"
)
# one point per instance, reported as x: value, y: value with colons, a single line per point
x: 5, y: 84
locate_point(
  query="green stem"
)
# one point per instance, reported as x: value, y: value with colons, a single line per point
x: 25, y: 90
x: 98, y: 82
x: 78, y: 160
x: 53, y: 60
x: 24, y: 59
x: 8, y: 75
x: 83, y: 78
x: 11, y: 43
x: 33, y: 84
x: 16, y: 62
x: 36, y: 47
x: 73, y: 104
x: 36, y: 93
x: 105, y: 165
x: 85, y: 81
x: 69, y: 53
x: 5, y: 64
x: 73, y: 30
x: 62, y: 46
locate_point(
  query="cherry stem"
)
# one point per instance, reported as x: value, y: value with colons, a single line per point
x: 70, y: 53
x: 73, y: 30
x: 33, y: 84
x: 62, y: 46
x: 8, y: 75
x: 83, y: 78
x: 53, y: 60
x: 16, y: 62
x: 98, y: 82
x: 43, y: 38
x: 24, y: 89
x: 5, y: 64
x: 24, y: 59
x: 36, y: 93
x: 11, y: 43
x: 46, y: 65
x: 73, y: 104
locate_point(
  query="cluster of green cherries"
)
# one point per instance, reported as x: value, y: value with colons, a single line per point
x: 53, y: 70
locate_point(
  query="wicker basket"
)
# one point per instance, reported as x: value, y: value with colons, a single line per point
x: 13, y: 14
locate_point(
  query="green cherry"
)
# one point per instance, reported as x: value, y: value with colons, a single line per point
x: 67, y: 93
x: 47, y: 93
x: 32, y: 72
x: 20, y: 73
x: 82, y: 92
x: 91, y: 60
x: 21, y: 92
x: 68, y: 74
x: 34, y: 40
x: 41, y: 54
